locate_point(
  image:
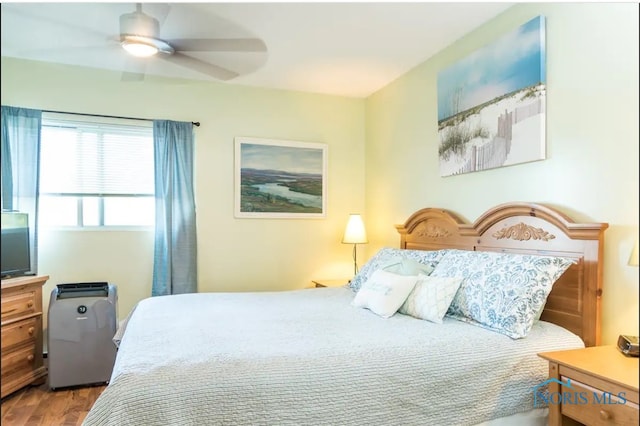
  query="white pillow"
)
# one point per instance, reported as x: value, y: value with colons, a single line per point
x: 431, y: 298
x: 384, y: 292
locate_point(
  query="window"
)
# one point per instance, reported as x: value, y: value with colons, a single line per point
x: 96, y: 171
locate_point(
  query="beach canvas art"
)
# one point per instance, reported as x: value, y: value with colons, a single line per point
x: 491, y: 104
x: 280, y: 179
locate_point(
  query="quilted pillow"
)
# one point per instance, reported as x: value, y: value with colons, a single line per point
x: 384, y: 292
x: 388, y: 255
x: 500, y: 291
x: 430, y: 298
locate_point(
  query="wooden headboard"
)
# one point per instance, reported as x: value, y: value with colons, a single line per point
x: 574, y: 302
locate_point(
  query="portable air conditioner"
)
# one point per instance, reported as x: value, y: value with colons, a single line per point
x: 83, y: 318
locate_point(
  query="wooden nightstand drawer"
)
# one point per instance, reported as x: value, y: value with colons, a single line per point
x: 18, y: 304
x: 592, y: 406
x: 19, y: 332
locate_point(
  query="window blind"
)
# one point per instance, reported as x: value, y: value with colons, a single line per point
x: 94, y: 157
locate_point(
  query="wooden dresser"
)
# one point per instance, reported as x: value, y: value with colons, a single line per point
x: 22, y: 362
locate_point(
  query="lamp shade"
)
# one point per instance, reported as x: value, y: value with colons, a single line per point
x: 633, y: 260
x: 355, y: 233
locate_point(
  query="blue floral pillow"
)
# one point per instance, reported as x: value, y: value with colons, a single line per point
x: 500, y: 291
x: 387, y: 257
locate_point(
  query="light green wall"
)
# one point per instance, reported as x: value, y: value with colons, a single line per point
x: 591, y: 170
x: 233, y: 254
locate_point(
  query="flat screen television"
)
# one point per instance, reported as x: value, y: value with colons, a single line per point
x: 16, y: 254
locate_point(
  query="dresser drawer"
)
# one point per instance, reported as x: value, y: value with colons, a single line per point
x: 15, y: 305
x: 593, y: 406
x: 20, y: 332
x: 18, y: 361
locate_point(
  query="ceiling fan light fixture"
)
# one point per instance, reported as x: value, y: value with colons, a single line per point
x: 139, y: 48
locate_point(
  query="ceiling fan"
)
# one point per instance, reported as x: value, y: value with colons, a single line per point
x: 140, y: 37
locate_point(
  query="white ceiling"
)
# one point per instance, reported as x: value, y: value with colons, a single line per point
x: 349, y: 49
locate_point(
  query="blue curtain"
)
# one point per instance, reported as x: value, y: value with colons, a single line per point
x: 21, y: 167
x: 174, y: 264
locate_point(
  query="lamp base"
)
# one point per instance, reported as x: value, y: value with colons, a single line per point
x: 355, y: 262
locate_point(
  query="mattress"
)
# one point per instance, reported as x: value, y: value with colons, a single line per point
x: 308, y: 357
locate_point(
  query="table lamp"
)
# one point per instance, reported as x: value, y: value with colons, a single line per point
x: 355, y: 234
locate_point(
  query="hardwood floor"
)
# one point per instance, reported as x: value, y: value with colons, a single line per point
x: 38, y: 405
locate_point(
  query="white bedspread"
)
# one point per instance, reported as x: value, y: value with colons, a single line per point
x: 308, y: 357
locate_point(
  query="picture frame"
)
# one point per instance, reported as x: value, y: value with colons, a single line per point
x: 492, y: 104
x: 280, y: 179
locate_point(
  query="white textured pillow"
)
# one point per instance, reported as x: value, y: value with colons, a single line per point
x: 384, y: 292
x: 431, y: 298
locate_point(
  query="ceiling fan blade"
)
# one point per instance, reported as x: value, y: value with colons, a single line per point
x: 218, y: 44
x: 200, y: 66
x: 52, y: 15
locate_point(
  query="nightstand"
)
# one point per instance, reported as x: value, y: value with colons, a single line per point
x: 330, y: 283
x: 599, y: 387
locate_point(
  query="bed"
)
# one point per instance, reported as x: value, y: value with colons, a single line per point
x: 309, y: 357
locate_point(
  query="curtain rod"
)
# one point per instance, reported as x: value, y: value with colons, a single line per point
x: 195, y: 123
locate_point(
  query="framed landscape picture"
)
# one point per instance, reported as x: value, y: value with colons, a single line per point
x: 280, y: 179
x: 492, y: 104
